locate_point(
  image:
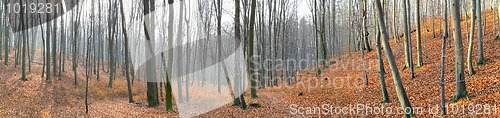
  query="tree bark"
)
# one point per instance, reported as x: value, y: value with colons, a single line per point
x: 395, y: 31
x: 239, y: 86
x: 127, y: 63
x: 6, y: 39
x: 445, y: 30
x: 406, y: 33
x: 47, y: 50
x: 87, y: 61
x: 323, y: 37
x: 152, y: 85
x: 179, y: 52
x: 24, y: 45
x: 461, y: 90
x: 443, y: 57
x: 75, y: 43
x: 101, y: 45
x: 498, y: 17
x: 168, y: 85
x: 2, y: 33
x: 253, y: 92
x: 383, y: 88
x: 403, y: 98
x: 471, y: 38
x: 420, y: 62
x: 480, y: 56
x: 62, y: 59
x: 366, y: 45
x: 238, y: 38
x: 54, y: 44
x: 364, y: 42
x: 111, y: 46
x: 408, y: 46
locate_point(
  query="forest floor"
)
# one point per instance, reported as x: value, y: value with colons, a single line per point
x: 344, y: 85
x: 61, y: 98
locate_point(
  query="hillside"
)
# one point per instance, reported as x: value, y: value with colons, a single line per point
x: 61, y: 98
x: 423, y: 91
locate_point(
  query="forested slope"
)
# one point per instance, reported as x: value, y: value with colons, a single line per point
x: 341, y: 84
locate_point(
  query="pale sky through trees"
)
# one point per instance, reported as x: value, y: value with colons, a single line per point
x: 303, y: 9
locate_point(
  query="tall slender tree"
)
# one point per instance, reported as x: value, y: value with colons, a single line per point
x: 322, y: 34
x: 461, y: 89
x: 498, y: 33
x: 366, y: 44
x: 443, y: 58
x: 47, y: 48
x: 383, y: 88
x: 470, y: 68
x: 419, y: 36
x: 334, y: 24
x: 152, y: 85
x: 63, y: 42
x: 76, y: 24
x: 24, y: 44
x: 127, y: 63
x: 101, y: 45
x: 394, y: 28
x: 364, y: 41
x: 218, y: 11
x: 446, y: 25
x: 239, y: 100
x: 403, y: 98
x: 480, y: 56
x: 407, y: 41
x: 180, y: 36
x: 168, y: 86
x: 54, y: 41
x: 111, y: 42
x: 237, y: 36
x: 441, y: 79
x: 189, y: 48
x: 406, y: 33
x: 73, y: 47
x: 87, y: 61
x: 2, y: 28
x: 251, y: 76
x: 5, y: 37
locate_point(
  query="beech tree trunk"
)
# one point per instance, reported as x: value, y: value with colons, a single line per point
x: 470, y: 68
x: 383, y: 88
x: 168, y: 85
x: 47, y: 49
x: 461, y: 90
x: 179, y: 52
x: 498, y: 33
x: 443, y: 57
x: 419, y: 37
x: 406, y: 33
x: 152, y: 85
x: 127, y: 63
x: 251, y: 76
x: 23, y: 37
x: 480, y: 56
x: 403, y: 98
